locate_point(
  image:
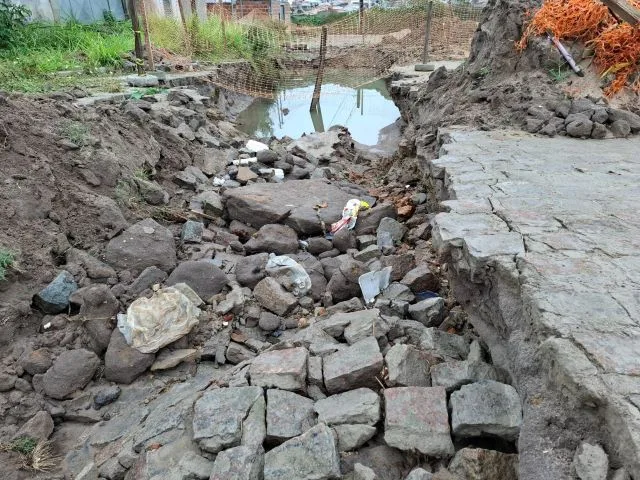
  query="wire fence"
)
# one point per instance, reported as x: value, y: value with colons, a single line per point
x: 270, y: 55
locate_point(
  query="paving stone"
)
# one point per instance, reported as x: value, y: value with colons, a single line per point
x: 364, y: 324
x: 288, y: 415
x: 71, y: 371
x: 453, y: 374
x: 590, y: 462
x: 312, y: 455
x: 368, y: 253
x: 407, y: 366
x: 361, y: 405
x: 416, y: 418
x: 272, y: 296
x: 220, y: 417
x: 314, y: 371
x: 54, y: 298
x: 486, y: 408
x: 284, y: 369
x: 481, y: 464
x: 353, y: 367
x: 429, y: 312
x: 192, y: 232
x: 239, y: 463
x: 351, y: 437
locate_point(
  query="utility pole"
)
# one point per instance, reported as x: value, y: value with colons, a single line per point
x: 315, y: 100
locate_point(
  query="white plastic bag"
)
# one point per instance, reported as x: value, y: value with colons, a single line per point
x: 152, y: 323
x: 254, y: 146
x: 289, y: 273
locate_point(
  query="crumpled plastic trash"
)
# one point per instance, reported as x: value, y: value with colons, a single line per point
x: 254, y: 146
x: 152, y: 323
x: 245, y: 161
x: 289, y: 273
x: 372, y: 283
x: 349, y: 215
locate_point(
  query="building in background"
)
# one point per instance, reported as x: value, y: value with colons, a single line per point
x: 276, y: 9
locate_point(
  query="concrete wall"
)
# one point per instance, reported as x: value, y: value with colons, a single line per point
x: 85, y: 11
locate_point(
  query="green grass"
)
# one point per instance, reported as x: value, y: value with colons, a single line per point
x: 76, y: 132
x: 23, y: 445
x: 7, y: 260
x: 559, y: 73
x: 317, y: 20
x: 41, y: 50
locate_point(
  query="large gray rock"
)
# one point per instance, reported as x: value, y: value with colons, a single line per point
x: 284, y: 369
x: 353, y: 367
x: 356, y: 406
x: 481, y: 464
x: 453, y: 374
x: 416, y: 418
x: 220, y: 418
x: 145, y: 244
x: 351, y: 437
x: 273, y: 238
x: 421, y: 279
x: 122, y: 363
x: 368, y: 220
x: 288, y: 415
x: 393, y: 228
x: 269, y: 322
x: 272, y: 296
x: 237, y: 353
x: 364, y: 324
x: 401, y: 264
x: 311, y: 456
x: 36, y: 361
x: 429, y: 312
x: 407, y: 366
x: 208, y: 202
x: 97, y: 309
x: 343, y: 284
x: 39, y: 427
x: 486, y: 408
x: 54, y: 298
x: 96, y: 270
x: 362, y: 472
x: 239, y: 463
x: 201, y: 275
x: 590, y: 462
x: 72, y: 370
x: 148, y: 277
x: 631, y: 118
x: 251, y: 269
x: 264, y: 203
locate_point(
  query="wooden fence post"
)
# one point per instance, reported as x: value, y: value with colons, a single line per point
x: 147, y: 37
x: 135, y: 25
x: 315, y: 100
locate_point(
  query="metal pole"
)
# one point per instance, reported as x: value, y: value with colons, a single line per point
x: 427, y: 33
x: 135, y: 25
x: 315, y: 100
x: 361, y: 26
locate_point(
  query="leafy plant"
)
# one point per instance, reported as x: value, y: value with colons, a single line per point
x: 7, y: 260
x: 76, y: 132
x: 23, y: 445
x: 559, y: 73
x: 12, y: 19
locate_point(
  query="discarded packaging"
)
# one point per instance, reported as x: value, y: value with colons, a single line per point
x: 152, y: 323
x: 275, y: 174
x: 256, y: 147
x: 289, y: 273
x: 218, y: 182
x: 349, y: 215
x: 372, y: 283
x: 426, y: 294
x: 245, y: 161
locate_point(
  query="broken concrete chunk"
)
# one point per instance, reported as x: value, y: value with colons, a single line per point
x: 486, y: 408
x: 416, y: 418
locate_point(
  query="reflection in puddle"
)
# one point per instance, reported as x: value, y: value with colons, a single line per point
x: 364, y: 111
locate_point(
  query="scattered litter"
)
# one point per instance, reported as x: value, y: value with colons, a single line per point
x: 255, y: 147
x: 349, y: 215
x: 245, y: 161
x: 289, y: 273
x: 46, y: 326
x: 318, y: 206
x: 372, y: 283
x: 218, y: 182
x: 275, y: 174
x: 152, y: 323
x: 426, y: 294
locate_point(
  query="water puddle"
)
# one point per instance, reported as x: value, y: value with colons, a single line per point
x: 365, y: 111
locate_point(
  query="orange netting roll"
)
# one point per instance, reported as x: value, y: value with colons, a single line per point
x: 616, y: 45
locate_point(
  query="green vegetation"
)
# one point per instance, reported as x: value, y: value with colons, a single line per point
x: 76, y: 132
x: 35, y: 455
x: 7, y: 260
x: 559, y: 73
x: 12, y: 19
x: 318, y: 19
x: 23, y: 445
